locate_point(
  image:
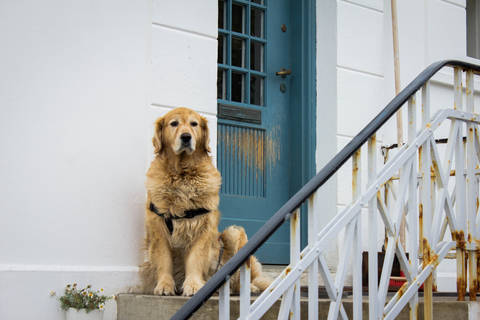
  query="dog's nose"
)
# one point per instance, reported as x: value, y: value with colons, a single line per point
x: 186, y: 137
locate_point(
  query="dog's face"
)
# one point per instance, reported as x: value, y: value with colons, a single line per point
x: 183, y: 130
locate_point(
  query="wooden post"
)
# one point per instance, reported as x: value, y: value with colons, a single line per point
x: 398, y: 88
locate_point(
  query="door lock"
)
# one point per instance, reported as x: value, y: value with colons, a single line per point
x: 283, y: 72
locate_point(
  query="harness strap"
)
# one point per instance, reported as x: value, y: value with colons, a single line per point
x: 189, y: 214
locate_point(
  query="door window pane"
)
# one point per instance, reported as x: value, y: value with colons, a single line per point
x: 256, y: 90
x: 238, y: 87
x: 242, y: 51
x: 238, y: 18
x: 221, y: 85
x: 221, y: 15
x: 221, y: 50
x: 238, y: 52
x: 256, y: 23
x: 256, y: 56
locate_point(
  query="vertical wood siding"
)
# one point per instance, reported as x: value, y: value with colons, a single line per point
x: 241, y: 161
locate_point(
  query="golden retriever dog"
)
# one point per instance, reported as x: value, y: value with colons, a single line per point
x: 183, y: 246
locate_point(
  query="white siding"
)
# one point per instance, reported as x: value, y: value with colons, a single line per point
x: 184, y: 60
x: 74, y: 133
x: 360, y: 38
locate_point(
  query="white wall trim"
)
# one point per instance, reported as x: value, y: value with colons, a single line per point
x: 458, y: 3
x: 203, y: 35
x: 363, y: 6
x: 376, y: 75
x: 66, y: 268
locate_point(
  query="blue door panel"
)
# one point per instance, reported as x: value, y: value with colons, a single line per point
x: 253, y: 150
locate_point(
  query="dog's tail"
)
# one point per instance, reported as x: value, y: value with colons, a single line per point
x: 234, y: 238
x: 148, y: 278
x: 147, y: 274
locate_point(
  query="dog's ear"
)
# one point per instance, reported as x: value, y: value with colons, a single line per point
x: 206, y: 134
x: 157, y: 137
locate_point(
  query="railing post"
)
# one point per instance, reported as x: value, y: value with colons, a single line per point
x: 412, y: 205
x: 294, y: 260
x: 372, y: 230
x: 357, y: 237
x: 426, y: 202
x: 245, y: 290
x: 224, y: 301
x: 290, y: 306
x: 313, y: 268
x: 460, y: 190
x: 471, y: 191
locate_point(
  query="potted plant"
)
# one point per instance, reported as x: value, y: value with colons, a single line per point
x: 85, y: 303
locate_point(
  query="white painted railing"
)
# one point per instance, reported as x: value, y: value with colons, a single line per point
x: 435, y: 199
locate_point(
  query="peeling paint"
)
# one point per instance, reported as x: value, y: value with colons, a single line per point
x: 420, y: 227
x: 460, y: 238
x: 473, y: 290
x: 273, y: 147
x: 427, y: 251
x: 293, y: 227
x: 241, y: 160
x: 461, y: 289
x: 287, y: 271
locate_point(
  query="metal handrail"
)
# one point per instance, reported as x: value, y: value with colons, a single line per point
x: 282, y: 215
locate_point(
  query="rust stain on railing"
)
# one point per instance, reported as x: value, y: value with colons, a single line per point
x: 460, y: 238
x: 461, y: 281
x: 420, y: 229
x: 287, y: 271
x: 294, y: 221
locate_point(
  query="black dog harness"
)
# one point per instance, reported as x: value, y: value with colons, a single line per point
x: 189, y: 214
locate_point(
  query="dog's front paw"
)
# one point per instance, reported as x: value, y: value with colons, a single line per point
x: 191, y: 287
x: 165, y: 288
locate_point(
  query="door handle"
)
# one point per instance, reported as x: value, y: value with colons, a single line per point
x: 283, y: 72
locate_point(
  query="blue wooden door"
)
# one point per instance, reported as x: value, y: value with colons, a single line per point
x: 253, y: 118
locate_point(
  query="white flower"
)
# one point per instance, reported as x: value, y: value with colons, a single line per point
x: 101, y: 306
x: 52, y: 293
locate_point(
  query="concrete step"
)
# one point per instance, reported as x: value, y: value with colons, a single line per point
x: 275, y: 270
x: 148, y: 307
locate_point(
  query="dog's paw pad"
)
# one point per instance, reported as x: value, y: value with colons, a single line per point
x: 164, y: 290
x: 190, y: 290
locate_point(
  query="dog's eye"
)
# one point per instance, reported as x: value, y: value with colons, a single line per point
x: 194, y: 124
x: 174, y: 123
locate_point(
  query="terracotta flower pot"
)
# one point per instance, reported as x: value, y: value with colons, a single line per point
x: 73, y: 314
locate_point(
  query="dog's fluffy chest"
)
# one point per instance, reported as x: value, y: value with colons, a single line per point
x: 177, y: 192
x: 182, y: 190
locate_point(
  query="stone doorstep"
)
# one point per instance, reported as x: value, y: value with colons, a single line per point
x: 149, y: 307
